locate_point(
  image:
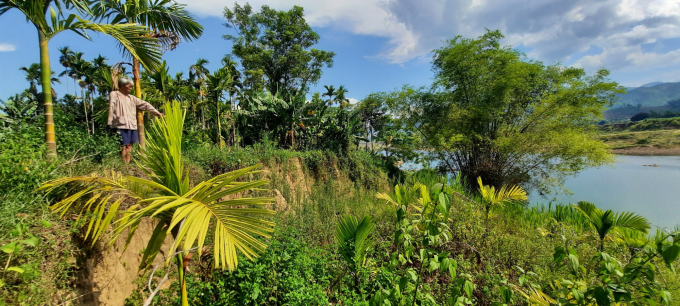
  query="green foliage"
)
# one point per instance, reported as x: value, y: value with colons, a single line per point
x: 22, y: 162
x: 494, y: 114
x: 353, y: 240
x: 290, y: 272
x: 604, y: 222
x: 276, y: 49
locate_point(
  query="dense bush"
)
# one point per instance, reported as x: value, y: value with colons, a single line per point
x: 290, y: 272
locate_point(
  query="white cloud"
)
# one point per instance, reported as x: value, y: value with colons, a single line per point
x: 352, y: 101
x: 553, y: 30
x: 7, y: 47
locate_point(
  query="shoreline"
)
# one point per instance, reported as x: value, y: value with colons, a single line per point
x: 648, y: 151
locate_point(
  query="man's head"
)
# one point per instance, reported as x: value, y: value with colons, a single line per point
x: 125, y: 85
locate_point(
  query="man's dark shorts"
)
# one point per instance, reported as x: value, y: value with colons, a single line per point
x: 129, y: 137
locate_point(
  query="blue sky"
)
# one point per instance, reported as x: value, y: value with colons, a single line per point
x: 383, y: 44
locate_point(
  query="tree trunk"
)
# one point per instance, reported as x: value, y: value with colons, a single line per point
x: 82, y: 99
x: 46, y: 80
x: 219, y: 124
x: 138, y: 94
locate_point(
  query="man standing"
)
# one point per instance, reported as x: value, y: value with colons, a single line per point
x: 122, y: 111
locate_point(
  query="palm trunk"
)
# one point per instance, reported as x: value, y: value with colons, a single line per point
x: 138, y: 94
x: 82, y: 99
x: 46, y: 80
x: 182, y: 279
x: 92, y: 110
x: 219, y: 125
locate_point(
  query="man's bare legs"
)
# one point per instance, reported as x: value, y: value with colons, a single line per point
x: 126, y: 152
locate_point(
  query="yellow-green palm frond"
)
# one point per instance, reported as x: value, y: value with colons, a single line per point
x: 406, y: 197
x: 96, y: 197
x: 506, y: 194
x: 235, y: 223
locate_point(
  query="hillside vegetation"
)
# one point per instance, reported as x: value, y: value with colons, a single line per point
x: 646, y: 137
x: 247, y: 188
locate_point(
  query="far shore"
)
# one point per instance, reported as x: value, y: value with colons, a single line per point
x: 648, y: 151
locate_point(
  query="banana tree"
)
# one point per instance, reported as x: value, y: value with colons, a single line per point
x: 604, y: 222
x: 49, y: 19
x: 186, y: 213
x: 166, y: 21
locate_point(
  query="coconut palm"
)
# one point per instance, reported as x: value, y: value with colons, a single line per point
x: 166, y: 20
x: 132, y: 37
x: 186, y: 213
x: 507, y: 194
x: 604, y: 222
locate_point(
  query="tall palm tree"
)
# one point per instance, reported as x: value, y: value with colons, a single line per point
x: 232, y: 66
x: 184, y: 212
x: 166, y: 20
x: 340, y: 96
x: 330, y: 93
x: 132, y: 37
x: 197, y: 75
x: 218, y: 82
x: 34, y: 75
x: 604, y: 222
x: 65, y: 59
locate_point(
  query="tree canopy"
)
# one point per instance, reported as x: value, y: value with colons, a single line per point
x: 275, y: 48
x: 493, y: 113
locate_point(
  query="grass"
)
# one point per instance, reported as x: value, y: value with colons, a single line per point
x: 634, y: 139
x: 515, y: 241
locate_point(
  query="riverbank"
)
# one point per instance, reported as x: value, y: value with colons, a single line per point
x: 648, y: 151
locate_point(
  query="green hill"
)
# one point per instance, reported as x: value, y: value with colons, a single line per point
x: 653, y: 96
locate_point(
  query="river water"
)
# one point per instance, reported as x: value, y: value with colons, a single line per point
x: 653, y: 192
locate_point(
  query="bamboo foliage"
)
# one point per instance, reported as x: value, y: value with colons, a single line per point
x: 186, y: 213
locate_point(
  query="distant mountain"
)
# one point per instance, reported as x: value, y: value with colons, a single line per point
x: 652, y: 84
x: 650, y: 95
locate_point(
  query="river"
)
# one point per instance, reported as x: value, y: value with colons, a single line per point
x: 653, y: 192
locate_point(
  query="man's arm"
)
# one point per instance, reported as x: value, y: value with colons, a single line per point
x: 112, y: 99
x: 146, y: 106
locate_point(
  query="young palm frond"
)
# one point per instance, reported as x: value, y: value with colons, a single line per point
x: 187, y: 213
x: 353, y: 238
x: 603, y: 222
x: 405, y: 197
x: 507, y: 194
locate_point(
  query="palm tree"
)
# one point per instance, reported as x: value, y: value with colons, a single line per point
x: 604, y: 222
x: 132, y: 37
x: 218, y: 82
x: 183, y: 211
x: 34, y: 75
x: 65, y: 59
x: 167, y: 20
x: 330, y: 93
x: 340, y: 96
x: 491, y: 197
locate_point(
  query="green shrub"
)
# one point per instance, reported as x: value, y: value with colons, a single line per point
x: 23, y: 165
x: 290, y: 272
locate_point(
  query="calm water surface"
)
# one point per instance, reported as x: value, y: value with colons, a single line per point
x: 653, y: 192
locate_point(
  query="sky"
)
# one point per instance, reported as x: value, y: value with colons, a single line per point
x: 384, y: 44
